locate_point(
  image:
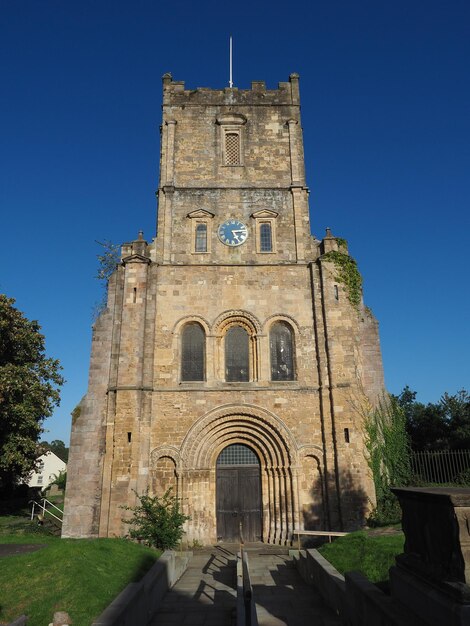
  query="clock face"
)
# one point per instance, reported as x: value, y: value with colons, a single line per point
x: 232, y: 233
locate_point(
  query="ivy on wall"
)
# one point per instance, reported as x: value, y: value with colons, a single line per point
x: 347, y: 274
x: 342, y: 243
x: 388, y: 448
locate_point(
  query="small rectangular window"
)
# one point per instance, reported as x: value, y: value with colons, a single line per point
x: 346, y: 435
x: 265, y: 237
x: 232, y: 148
x: 200, y: 244
x: 336, y: 293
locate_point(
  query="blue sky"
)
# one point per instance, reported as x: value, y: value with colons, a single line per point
x: 385, y: 110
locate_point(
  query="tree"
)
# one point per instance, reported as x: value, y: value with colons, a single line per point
x: 29, y: 390
x: 425, y: 424
x: 437, y: 426
x: 60, y: 480
x: 57, y: 446
x: 456, y: 409
x: 107, y: 263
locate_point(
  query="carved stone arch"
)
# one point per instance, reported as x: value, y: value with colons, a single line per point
x: 250, y: 362
x: 272, y: 319
x: 265, y: 429
x: 312, y: 488
x: 275, y: 446
x: 187, y: 319
x: 165, y: 470
x: 282, y: 344
x: 307, y: 449
x: 234, y: 317
x: 233, y: 437
x: 179, y: 371
x: 233, y: 432
x: 166, y: 450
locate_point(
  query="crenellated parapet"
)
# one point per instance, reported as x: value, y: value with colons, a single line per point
x: 287, y: 93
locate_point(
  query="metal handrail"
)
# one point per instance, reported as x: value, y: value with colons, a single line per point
x: 44, y: 509
x: 52, y: 504
x: 246, y: 606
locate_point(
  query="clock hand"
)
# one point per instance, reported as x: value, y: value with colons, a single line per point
x: 237, y: 233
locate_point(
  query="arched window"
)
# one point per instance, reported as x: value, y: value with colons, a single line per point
x: 193, y: 352
x: 282, y: 352
x: 200, y: 244
x: 237, y: 352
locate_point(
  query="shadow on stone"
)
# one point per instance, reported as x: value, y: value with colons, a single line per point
x: 348, y: 512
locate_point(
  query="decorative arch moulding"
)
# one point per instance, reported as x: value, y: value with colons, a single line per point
x: 228, y: 318
x: 272, y: 319
x: 310, y: 450
x: 191, y: 319
x: 165, y: 450
x: 236, y: 317
x: 220, y: 427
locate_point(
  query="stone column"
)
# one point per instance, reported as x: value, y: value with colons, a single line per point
x: 272, y: 505
x: 211, y: 359
x: 289, y: 505
x: 296, y: 499
x: 264, y: 363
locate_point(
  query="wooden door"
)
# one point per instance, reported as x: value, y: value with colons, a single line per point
x: 238, y: 500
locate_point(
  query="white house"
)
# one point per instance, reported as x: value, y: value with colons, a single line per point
x: 49, y: 467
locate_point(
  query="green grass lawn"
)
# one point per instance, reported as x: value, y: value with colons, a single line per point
x: 80, y: 576
x: 370, y: 554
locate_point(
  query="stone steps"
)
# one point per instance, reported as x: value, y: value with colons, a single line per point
x: 206, y: 593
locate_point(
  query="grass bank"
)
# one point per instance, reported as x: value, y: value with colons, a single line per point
x: 80, y: 576
x: 366, y: 552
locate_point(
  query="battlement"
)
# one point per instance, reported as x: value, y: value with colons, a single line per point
x: 287, y: 93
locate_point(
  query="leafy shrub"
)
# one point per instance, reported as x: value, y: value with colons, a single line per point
x: 157, y: 521
x: 463, y: 478
x: 387, y: 511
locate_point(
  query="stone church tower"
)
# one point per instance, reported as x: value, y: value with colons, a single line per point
x: 233, y: 356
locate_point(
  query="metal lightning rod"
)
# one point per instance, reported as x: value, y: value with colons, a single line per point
x: 230, y: 82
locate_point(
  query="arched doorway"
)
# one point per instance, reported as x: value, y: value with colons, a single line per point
x: 238, y: 494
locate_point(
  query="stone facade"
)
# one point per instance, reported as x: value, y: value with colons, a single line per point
x: 227, y: 155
